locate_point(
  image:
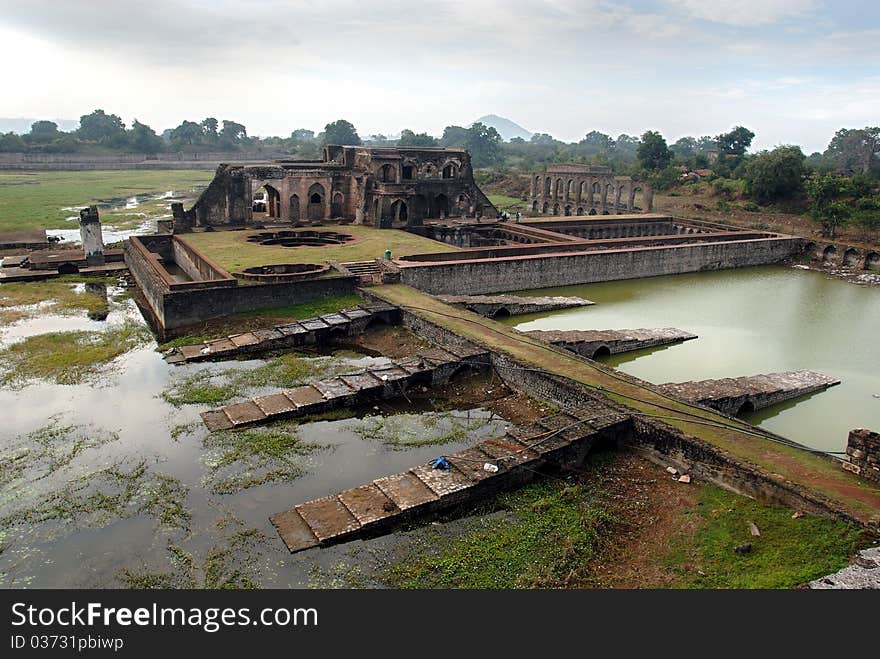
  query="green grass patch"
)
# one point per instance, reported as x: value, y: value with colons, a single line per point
x: 64, y: 296
x: 549, y: 531
x: 231, y: 250
x: 68, y: 357
x: 165, y: 501
x: 502, y: 201
x: 307, y: 309
x: 34, y: 200
x: 211, y: 387
x: 231, y: 563
x: 239, y: 460
x: 789, y: 552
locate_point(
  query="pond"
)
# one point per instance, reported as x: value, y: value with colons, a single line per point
x: 113, y: 480
x: 749, y: 321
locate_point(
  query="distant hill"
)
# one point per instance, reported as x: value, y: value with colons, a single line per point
x: 505, y: 127
x: 22, y: 125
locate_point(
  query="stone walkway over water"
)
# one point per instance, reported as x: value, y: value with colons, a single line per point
x: 746, y: 394
x: 596, y: 343
x: 298, y: 334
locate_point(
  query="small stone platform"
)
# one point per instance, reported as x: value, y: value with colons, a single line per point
x: 301, y: 333
x: 493, y: 306
x: 562, y: 440
x: 431, y: 368
x: 594, y: 343
x: 26, y: 239
x: 734, y: 396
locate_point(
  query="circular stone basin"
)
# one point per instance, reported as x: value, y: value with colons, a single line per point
x: 300, y: 238
x: 283, y: 272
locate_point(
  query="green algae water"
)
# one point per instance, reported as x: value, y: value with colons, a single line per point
x: 749, y: 321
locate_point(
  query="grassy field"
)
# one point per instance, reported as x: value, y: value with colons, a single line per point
x: 231, y: 250
x: 35, y: 200
x: 502, y: 201
x: 553, y: 534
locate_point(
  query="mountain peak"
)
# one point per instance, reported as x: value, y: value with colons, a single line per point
x: 506, y: 128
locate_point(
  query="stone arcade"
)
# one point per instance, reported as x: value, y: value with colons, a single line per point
x: 570, y: 189
x: 382, y: 187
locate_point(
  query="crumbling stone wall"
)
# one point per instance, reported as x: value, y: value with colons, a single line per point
x: 863, y: 453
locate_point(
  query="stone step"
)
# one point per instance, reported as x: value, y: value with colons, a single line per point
x: 289, y: 335
x: 379, y: 505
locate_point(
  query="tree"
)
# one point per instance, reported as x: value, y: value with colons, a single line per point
x: 143, y: 139
x: 542, y: 138
x: 302, y: 135
x: 454, y: 136
x: 595, y: 142
x: 685, y: 148
x: 855, y: 151
x: 103, y: 128
x: 409, y: 138
x: 11, y: 143
x: 340, y: 132
x: 484, y: 145
x: 653, y: 153
x: 775, y: 174
x: 187, y: 133
x: 232, y: 135
x: 735, y: 142
x: 209, y: 130
x: 823, y: 191
x: 44, y: 131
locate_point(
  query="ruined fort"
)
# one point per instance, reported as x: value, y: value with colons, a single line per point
x: 383, y: 187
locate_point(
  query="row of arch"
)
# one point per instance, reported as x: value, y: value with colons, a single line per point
x: 584, y: 190
x: 409, y: 171
x: 405, y: 211
x: 850, y: 256
x: 313, y: 207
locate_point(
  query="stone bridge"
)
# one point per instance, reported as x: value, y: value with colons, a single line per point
x: 733, y: 396
x: 849, y: 256
x: 501, y: 306
x: 598, y: 343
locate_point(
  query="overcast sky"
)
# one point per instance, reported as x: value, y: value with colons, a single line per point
x: 793, y: 71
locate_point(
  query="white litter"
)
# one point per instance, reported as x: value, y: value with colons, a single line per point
x: 490, y: 467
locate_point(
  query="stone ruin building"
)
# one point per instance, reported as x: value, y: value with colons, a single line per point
x: 571, y: 189
x: 383, y: 187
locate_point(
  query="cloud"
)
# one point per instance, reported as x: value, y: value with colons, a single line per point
x: 744, y: 13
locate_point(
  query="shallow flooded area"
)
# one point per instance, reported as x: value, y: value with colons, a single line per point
x: 110, y: 479
x: 749, y: 321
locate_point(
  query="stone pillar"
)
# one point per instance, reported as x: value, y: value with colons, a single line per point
x: 90, y: 232
x: 863, y: 453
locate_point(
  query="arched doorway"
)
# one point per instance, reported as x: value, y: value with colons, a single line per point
x: 829, y: 253
x: 273, y: 201
x: 872, y: 261
x: 337, y: 205
x: 317, y: 198
x: 441, y: 206
x: 398, y: 214
x: 544, y: 208
x: 388, y: 174
x: 450, y: 170
x: 294, y: 208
